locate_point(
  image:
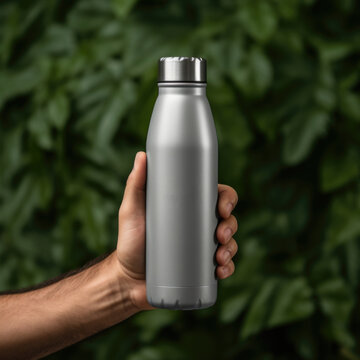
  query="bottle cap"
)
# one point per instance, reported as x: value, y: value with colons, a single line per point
x: 182, y: 69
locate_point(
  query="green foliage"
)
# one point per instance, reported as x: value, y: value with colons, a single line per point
x: 77, y: 86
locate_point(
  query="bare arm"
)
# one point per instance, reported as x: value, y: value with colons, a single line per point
x: 37, y: 323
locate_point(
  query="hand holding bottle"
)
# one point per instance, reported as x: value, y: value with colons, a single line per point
x: 131, y: 238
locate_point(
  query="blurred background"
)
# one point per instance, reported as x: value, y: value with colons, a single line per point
x: 77, y: 87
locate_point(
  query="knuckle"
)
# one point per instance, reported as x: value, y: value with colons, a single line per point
x: 228, y: 193
x: 234, y: 223
x: 236, y: 247
x: 129, y: 178
x: 232, y: 265
x: 220, y: 248
x: 123, y: 212
x: 233, y: 247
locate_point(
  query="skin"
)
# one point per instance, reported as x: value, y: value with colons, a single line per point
x: 39, y: 322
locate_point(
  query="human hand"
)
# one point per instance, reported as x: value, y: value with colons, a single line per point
x: 131, y: 237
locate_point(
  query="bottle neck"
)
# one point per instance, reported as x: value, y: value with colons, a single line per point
x: 183, y: 88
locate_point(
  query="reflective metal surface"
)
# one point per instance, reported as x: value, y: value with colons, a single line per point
x: 182, y: 69
x: 181, y: 198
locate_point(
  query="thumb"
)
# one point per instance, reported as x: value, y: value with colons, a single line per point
x: 134, y: 195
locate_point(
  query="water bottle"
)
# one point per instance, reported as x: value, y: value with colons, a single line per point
x: 181, y: 190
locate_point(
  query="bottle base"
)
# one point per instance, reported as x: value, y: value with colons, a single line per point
x: 181, y: 297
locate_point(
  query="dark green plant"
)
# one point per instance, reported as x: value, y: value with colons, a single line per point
x: 77, y: 86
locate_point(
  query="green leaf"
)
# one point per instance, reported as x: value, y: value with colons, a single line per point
x: 338, y: 168
x: 9, y: 268
x: 267, y: 123
x: 95, y: 96
x: 9, y: 33
x: 332, y: 51
x: 325, y: 97
x: 162, y: 351
x: 120, y: 102
x: 45, y: 190
x: 87, y: 17
x: 324, y: 92
x: 350, y: 105
x: 152, y: 322
x: 123, y: 7
x: 258, y: 19
x: 11, y: 152
x: 58, y: 40
x: 337, y: 303
x: 255, y: 319
x: 15, y: 213
x: 254, y: 74
x: 352, y: 263
x: 251, y: 260
x: 300, y: 134
x: 293, y: 301
x: 39, y: 128
x: 19, y: 83
x: 288, y: 9
x: 58, y: 110
x: 92, y: 214
x: 344, y: 221
x: 146, y: 353
x: 233, y: 129
x: 232, y: 307
x: 291, y: 40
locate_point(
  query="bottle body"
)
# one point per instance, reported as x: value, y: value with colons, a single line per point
x: 181, y: 199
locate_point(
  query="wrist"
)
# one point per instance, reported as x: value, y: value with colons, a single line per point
x: 121, y: 288
x: 135, y: 287
x: 107, y: 293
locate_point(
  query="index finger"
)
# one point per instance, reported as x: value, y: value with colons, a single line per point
x: 227, y: 201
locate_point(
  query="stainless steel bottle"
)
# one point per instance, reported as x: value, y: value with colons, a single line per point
x: 181, y: 194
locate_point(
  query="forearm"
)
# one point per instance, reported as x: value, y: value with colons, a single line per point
x: 36, y: 323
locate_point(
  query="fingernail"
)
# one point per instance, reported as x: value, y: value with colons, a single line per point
x: 227, y: 256
x: 227, y: 234
x: 229, y: 208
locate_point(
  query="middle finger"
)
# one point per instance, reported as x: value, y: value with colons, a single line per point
x: 226, y: 229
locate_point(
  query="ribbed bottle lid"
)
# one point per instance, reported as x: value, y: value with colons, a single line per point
x: 182, y: 69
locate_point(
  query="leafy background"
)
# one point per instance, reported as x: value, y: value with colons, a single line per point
x: 77, y: 86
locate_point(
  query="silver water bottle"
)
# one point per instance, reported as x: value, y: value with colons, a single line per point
x: 181, y: 193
